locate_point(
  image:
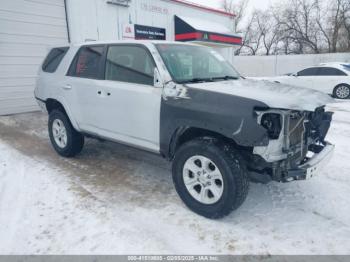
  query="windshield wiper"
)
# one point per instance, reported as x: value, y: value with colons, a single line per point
x: 198, y: 80
x: 209, y: 79
x: 225, y: 77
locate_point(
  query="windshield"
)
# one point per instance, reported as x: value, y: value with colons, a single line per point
x: 187, y: 63
x: 346, y: 67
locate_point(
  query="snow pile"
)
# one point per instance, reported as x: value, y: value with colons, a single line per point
x: 116, y: 200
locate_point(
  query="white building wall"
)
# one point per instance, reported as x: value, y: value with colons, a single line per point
x: 260, y: 66
x: 98, y: 20
x: 27, y: 30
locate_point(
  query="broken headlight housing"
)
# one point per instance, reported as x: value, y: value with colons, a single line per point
x: 272, y: 122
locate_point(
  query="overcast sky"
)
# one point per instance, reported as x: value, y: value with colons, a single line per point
x: 259, y: 4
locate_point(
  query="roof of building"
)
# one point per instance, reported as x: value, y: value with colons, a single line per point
x: 107, y: 42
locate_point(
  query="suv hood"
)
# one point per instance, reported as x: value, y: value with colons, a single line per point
x: 274, y: 95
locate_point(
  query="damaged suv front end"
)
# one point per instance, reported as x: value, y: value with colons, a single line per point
x: 278, y: 129
x: 297, y: 148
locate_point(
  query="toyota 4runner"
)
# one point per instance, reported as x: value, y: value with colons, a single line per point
x: 188, y: 104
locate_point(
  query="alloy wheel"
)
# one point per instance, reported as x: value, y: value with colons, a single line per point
x: 203, y: 179
x: 342, y: 92
x: 59, y: 133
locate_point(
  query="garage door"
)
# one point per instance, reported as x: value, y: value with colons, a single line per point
x: 27, y: 29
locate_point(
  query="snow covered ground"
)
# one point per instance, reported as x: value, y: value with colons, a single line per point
x: 116, y: 200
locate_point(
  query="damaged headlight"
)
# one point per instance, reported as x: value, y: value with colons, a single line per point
x: 272, y: 122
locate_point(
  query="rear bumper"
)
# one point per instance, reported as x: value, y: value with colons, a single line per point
x: 41, y: 103
x: 313, y: 165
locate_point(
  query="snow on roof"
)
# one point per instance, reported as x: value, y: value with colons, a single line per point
x: 205, y: 25
x: 333, y: 63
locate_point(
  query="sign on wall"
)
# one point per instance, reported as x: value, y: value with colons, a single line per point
x: 154, y: 8
x: 149, y: 32
x: 128, y: 31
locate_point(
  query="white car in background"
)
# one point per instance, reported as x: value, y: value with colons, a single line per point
x: 330, y: 78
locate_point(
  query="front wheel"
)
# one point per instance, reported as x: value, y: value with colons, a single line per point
x: 64, y: 138
x: 341, y: 91
x: 210, y: 177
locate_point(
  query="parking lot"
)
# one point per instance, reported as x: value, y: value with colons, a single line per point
x: 113, y: 199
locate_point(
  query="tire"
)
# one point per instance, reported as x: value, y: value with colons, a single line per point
x: 341, y: 91
x: 68, y: 143
x: 225, y: 159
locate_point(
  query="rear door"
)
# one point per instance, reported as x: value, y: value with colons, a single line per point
x: 328, y: 78
x: 81, y: 86
x: 305, y: 78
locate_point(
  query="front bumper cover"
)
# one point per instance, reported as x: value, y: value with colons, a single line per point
x: 313, y: 165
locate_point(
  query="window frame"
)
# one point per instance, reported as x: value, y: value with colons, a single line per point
x: 72, y: 67
x: 45, y: 64
x: 128, y: 45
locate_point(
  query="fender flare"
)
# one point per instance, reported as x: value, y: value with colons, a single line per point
x: 69, y: 113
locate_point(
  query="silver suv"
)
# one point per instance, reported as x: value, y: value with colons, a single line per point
x: 188, y: 104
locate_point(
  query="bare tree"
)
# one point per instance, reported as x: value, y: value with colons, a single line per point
x: 345, y: 29
x: 298, y: 22
x: 252, y: 38
x: 237, y: 8
x: 269, y: 29
x: 330, y: 22
x: 294, y: 27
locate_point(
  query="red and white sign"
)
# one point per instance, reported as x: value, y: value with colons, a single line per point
x: 128, y: 31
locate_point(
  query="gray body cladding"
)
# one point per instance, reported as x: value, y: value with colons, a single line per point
x: 229, y: 115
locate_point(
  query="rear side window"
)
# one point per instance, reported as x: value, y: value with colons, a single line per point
x: 131, y: 64
x: 309, y: 72
x: 53, y: 59
x: 88, y: 62
x: 329, y: 71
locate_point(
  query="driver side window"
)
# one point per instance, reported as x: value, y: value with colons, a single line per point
x: 132, y: 64
x: 309, y: 72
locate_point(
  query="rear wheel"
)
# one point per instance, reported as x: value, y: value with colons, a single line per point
x: 64, y: 138
x: 341, y: 91
x: 210, y: 177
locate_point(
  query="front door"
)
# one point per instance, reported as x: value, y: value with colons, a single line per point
x: 305, y: 78
x: 127, y: 103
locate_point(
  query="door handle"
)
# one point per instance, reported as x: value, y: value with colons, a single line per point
x: 99, y: 92
x: 67, y: 87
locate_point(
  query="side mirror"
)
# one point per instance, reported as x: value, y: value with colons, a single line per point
x: 157, y: 82
x: 295, y: 74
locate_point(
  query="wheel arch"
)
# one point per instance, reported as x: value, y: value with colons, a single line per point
x: 52, y: 103
x: 184, y: 134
